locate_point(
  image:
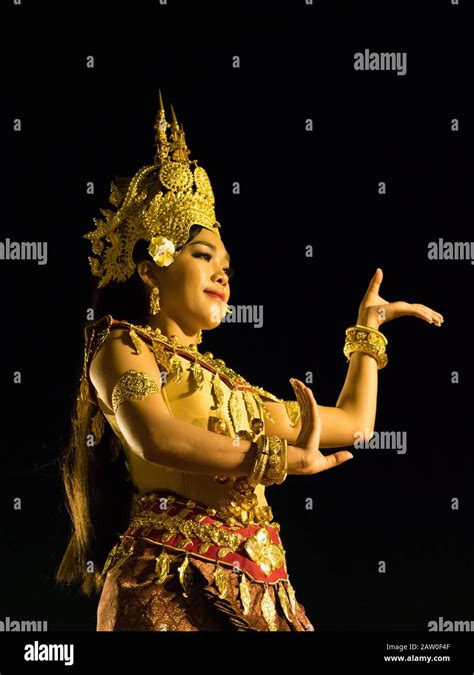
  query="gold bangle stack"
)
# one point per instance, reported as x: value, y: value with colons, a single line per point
x: 368, y: 340
x: 271, y: 461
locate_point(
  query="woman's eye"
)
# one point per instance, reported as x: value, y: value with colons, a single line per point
x: 228, y: 270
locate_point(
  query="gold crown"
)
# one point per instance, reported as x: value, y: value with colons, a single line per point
x: 159, y: 204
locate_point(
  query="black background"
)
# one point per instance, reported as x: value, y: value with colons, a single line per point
x: 297, y: 188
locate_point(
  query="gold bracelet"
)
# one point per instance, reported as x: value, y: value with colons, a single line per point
x: 261, y: 460
x: 283, y: 461
x: 277, y: 465
x: 368, y: 340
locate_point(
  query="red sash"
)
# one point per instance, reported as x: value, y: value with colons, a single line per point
x: 185, y: 525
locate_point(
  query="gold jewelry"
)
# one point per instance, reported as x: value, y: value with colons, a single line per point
x: 261, y: 458
x: 293, y: 410
x: 156, y: 334
x: 271, y: 461
x: 159, y: 204
x: 240, y: 507
x: 368, y: 340
x: 188, y: 527
x: 283, y: 461
x: 155, y: 301
x: 133, y: 384
x: 199, y: 337
x: 277, y: 465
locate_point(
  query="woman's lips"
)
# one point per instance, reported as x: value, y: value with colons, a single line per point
x: 214, y: 295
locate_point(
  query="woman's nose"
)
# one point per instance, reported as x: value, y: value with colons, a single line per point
x: 221, y: 276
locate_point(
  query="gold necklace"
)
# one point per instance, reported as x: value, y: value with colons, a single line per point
x: 172, y: 341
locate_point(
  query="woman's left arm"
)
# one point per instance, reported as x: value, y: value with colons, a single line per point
x: 356, y: 406
x: 337, y: 428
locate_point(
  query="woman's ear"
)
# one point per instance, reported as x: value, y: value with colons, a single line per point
x: 145, y: 269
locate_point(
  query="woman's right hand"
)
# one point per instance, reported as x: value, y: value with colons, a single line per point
x: 308, y: 439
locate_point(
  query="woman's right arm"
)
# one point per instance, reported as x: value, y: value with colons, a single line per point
x: 153, y: 434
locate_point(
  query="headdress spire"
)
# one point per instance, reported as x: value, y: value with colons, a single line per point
x: 159, y: 204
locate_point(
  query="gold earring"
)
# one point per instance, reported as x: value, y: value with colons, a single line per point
x: 155, y: 300
x: 199, y: 338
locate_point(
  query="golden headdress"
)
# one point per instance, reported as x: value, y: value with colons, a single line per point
x: 159, y: 204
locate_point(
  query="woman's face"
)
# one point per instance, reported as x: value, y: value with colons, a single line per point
x: 185, y: 286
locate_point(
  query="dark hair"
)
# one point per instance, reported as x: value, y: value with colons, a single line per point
x: 96, y: 481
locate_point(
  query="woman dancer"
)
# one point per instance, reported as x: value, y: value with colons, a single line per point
x: 171, y: 449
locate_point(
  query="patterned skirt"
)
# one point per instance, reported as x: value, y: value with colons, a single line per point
x: 179, y: 567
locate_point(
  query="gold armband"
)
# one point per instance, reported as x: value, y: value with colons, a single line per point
x: 133, y: 384
x: 293, y: 411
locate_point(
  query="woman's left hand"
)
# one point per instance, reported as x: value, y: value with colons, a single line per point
x: 374, y: 310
